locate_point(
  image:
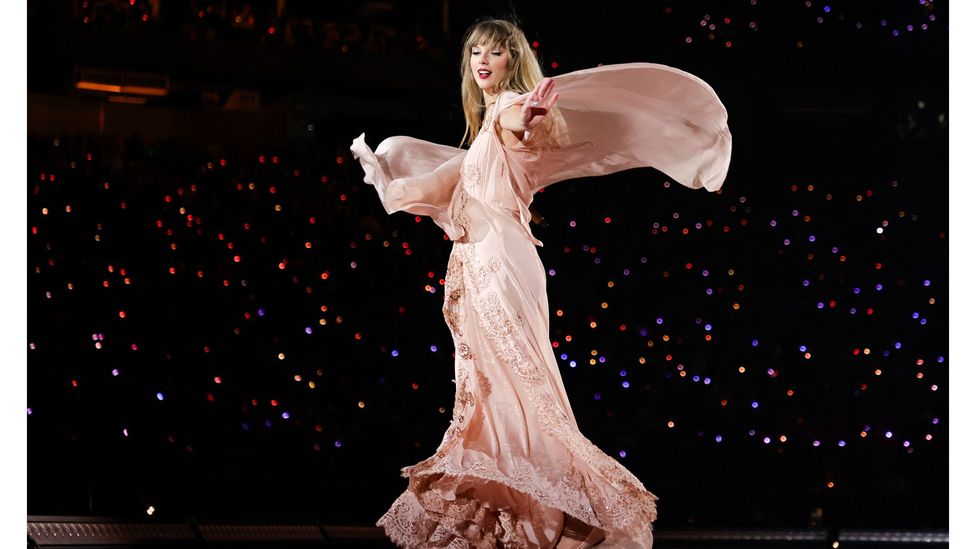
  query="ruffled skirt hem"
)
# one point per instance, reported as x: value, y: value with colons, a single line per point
x: 481, y: 508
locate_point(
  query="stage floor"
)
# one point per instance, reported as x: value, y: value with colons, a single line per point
x: 105, y: 532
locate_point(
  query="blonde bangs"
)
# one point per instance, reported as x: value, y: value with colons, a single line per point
x: 489, y: 35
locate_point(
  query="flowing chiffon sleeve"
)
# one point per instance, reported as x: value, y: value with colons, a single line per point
x: 414, y: 176
x: 607, y: 119
x: 617, y: 117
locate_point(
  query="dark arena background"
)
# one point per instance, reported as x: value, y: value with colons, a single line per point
x: 230, y: 342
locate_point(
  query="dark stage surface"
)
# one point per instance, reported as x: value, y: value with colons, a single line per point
x: 96, y: 531
x: 224, y: 326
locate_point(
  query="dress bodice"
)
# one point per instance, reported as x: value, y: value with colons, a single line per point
x: 484, y: 173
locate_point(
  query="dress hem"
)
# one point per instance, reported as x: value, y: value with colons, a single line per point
x: 439, y: 527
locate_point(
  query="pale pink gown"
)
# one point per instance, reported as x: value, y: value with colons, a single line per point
x: 513, y: 459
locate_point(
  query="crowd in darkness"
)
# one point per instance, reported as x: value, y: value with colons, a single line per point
x: 347, y: 26
x: 241, y: 329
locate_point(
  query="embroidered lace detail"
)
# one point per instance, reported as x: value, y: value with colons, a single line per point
x: 470, y: 176
x: 463, y: 400
x: 453, y: 288
x: 631, y: 505
x: 487, y: 119
x: 510, y: 533
x: 617, y: 510
x: 445, y: 475
x: 504, y: 331
x: 453, y: 312
x: 460, y: 217
x: 463, y: 522
x: 483, y: 383
x: 504, y: 334
x: 483, y: 274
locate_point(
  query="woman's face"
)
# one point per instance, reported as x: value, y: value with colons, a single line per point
x: 489, y: 65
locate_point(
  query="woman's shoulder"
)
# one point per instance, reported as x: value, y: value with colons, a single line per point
x: 508, y: 98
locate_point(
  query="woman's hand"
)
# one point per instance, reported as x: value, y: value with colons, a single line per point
x: 537, y: 104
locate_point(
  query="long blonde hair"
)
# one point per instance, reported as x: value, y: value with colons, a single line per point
x: 524, y: 71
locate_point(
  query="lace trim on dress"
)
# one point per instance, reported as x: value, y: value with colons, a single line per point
x: 460, y: 217
x: 487, y: 118
x: 470, y: 176
x: 618, y: 511
x: 422, y: 517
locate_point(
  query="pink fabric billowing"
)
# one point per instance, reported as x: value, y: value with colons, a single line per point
x: 513, y: 464
x: 414, y: 176
x: 607, y: 119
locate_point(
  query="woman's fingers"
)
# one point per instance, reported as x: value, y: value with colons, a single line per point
x: 541, y: 91
x: 552, y: 100
x: 540, y: 100
x: 543, y: 88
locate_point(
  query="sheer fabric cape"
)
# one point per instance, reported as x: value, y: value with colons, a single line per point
x: 606, y: 119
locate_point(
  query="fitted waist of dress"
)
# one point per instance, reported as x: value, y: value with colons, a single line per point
x: 515, y: 214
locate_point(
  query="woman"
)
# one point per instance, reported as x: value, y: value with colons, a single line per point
x: 513, y: 469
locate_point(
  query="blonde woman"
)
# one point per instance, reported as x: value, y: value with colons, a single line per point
x: 513, y: 468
